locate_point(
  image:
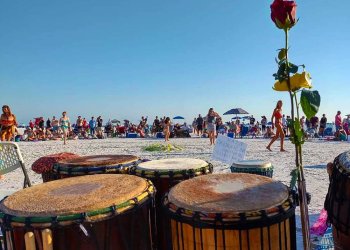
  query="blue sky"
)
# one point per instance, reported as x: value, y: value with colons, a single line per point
x: 124, y: 59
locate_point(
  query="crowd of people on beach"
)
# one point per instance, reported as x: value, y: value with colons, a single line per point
x: 208, y: 126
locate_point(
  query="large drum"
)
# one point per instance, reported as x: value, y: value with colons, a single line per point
x: 253, y: 167
x: 337, y: 201
x: 230, y: 211
x: 95, y: 164
x: 86, y: 212
x: 165, y: 174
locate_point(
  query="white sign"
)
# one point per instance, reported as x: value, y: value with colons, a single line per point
x: 228, y: 150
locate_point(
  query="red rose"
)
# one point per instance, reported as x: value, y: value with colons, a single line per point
x: 283, y: 13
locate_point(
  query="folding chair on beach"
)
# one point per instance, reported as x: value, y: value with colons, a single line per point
x: 11, y: 159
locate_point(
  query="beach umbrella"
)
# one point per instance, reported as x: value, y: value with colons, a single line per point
x: 115, y: 121
x: 236, y: 111
x: 178, y: 118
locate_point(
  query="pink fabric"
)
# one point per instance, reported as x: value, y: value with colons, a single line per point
x: 45, y: 164
x: 320, y: 226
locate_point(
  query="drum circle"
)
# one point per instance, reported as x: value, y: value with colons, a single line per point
x: 86, y: 212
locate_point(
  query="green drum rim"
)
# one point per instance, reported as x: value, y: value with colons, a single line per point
x: 255, y: 170
x: 118, y: 168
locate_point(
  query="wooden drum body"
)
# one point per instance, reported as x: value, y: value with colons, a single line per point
x: 165, y: 174
x: 337, y: 201
x: 253, y: 167
x: 87, y: 212
x: 230, y: 211
x: 96, y: 164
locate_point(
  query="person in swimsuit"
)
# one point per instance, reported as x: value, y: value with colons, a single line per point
x: 166, y: 129
x: 8, y: 124
x: 65, y: 125
x: 211, y: 125
x: 276, y: 120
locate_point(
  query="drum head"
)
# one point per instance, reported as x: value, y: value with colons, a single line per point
x: 344, y: 160
x: 74, y: 195
x: 228, y: 193
x: 98, y: 160
x: 251, y: 164
x: 172, y: 164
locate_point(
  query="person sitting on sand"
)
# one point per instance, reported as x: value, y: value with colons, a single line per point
x: 8, y: 124
x: 276, y: 120
x: 340, y: 134
x: 269, y: 132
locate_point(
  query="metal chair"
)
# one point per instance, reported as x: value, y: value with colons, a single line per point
x: 11, y: 159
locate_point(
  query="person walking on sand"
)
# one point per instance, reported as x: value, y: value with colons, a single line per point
x: 8, y: 124
x: 166, y: 129
x: 211, y: 125
x: 65, y: 125
x: 276, y: 120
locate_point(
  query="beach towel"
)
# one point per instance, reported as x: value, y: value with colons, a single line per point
x: 320, y: 226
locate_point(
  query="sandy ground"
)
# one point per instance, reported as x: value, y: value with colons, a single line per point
x: 316, y: 154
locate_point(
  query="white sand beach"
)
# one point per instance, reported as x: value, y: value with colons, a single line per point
x: 316, y: 154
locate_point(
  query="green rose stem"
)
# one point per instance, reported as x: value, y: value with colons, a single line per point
x: 304, y: 213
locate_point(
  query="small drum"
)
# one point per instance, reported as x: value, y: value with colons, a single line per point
x: 165, y: 174
x: 253, y: 167
x: 86, y: 212
x: 337, y: 201
x: 96, y: 164
x: 230, y: 211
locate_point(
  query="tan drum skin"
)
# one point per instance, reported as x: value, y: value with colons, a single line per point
x: 227, y: 195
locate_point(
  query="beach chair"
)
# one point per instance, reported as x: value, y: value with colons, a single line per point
x: 11, y: 159
x: 328, y: 132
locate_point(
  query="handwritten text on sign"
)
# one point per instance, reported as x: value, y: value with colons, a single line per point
x: 228, y: 150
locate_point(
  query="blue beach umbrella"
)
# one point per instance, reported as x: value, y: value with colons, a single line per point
x: 178, y: 118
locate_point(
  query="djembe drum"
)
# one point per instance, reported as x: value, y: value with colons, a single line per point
x: 44, y: 165
x: 96, y: 164
x: 253, y: 167
x: 230, y: 211
x: 337, y: 201
x: 86, y: 212
x: 165, y: 174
